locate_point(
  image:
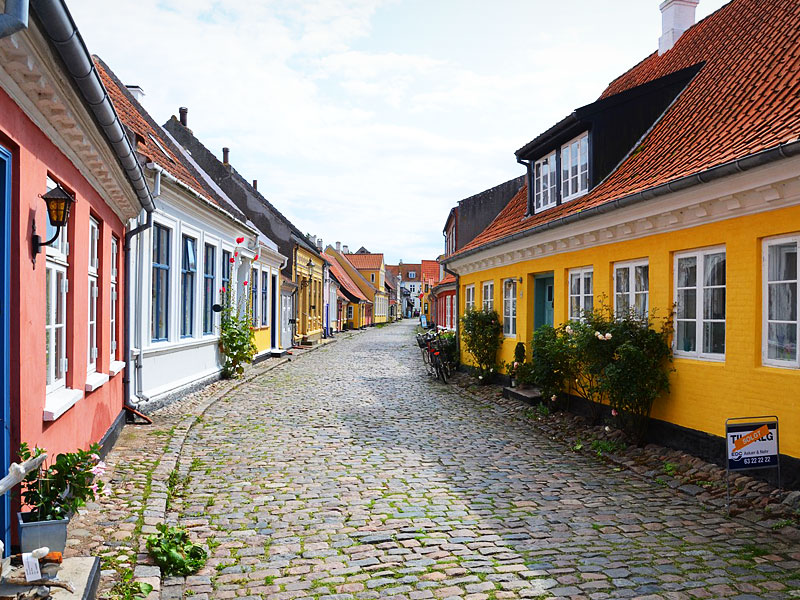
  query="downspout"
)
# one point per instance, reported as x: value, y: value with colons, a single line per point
x: 295, y: 295
x: 14, y: 17
x: 129, y: 360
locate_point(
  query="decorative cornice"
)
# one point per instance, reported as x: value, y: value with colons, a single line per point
x: 36, y: 82
x: 774, y: 186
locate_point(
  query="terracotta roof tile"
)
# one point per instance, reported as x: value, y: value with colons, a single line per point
x: 151, y: 141
x: 430, y: 271
x: 343, y: 278
x: 744, y: 100
x: 370, y: 262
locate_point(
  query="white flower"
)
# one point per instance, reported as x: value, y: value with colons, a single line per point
x: 608, y: 336
x: 568, y: 329
x: 553, y: 398
x: 597, y: 334
x: 480, y: 376
x: 607, y: 428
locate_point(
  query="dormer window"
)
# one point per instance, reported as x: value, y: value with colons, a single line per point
x: 545, y: 182
x: 575, y: 168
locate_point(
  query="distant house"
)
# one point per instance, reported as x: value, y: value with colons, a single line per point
x: 679, y: 187
x: 302, y: 295
x: 373, y: 270
x: 352, y: 304
x: 63, y: 289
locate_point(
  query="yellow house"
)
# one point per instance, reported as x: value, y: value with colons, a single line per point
x: 264, y: 297
x: 672, y: 190
x: 368, y: 271
x: 308, y: 272
x: 353, y: 303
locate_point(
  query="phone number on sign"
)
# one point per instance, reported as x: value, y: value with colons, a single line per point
x: 759, y: 460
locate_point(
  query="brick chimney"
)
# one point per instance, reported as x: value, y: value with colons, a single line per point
x: 338, y: 246
x: 345, y: 249
x: 676, y: 17
x: 184, y: 113
x: 225, y: 156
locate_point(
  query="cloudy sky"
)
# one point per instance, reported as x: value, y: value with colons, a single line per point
x: 365, y: 121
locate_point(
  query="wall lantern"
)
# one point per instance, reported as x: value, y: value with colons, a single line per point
x: 59, y: 202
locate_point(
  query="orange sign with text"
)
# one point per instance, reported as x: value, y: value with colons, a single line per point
x: 750, y: 438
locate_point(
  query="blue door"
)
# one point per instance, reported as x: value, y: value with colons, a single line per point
x: 5, y: 304
x: 543, y: 300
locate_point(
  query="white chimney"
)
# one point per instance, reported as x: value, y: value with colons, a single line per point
x: 345, y: 249
x: 319, y: 244
x: 338, y: 246
x: 676, y: 17
x: 136, y: 92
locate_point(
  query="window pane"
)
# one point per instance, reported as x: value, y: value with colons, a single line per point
x: 782, y: 262
x: 687, y: 301
x: 621, y: 302
x: 640, y: 304
x: 623, y: 277
x: 59, y: 352
x: 49, y: 295
x: 714, y: 269
x: 687, y: 272
x: 642, y: 278
x: 575, y: 283
x: 573, y: 164
x: 714, y: 303
x: 782, y: 341
x: 59, y: 296
x: 588, y: 303
x: 587, y: 283
x: 686, y: 335
x: 714, y: 338
x: 574, y: 307
x: 782, y: 302
x: 48, y: 357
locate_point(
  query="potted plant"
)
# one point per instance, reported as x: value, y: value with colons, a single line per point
x: 53, y: 493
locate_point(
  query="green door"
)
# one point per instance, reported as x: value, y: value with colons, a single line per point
x: 543, y: 301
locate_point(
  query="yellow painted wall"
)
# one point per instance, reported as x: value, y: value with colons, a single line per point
x: 703, y: 393
x: 309, y: 320
x: 263, y: 339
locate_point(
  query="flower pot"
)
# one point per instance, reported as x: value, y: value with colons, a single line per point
x: 36, y: 534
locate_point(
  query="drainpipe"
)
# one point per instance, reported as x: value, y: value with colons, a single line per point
x: 130, y: 363
x: 458, y: 304
x: 14, y: 17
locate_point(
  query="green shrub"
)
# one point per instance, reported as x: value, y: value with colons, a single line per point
x: 174, y: 552
x: 482, y: 333
x: 519, y: 352
x: 236, y: 336
x: 551, y: 366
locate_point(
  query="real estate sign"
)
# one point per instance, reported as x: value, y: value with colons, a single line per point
x: 752, y: 445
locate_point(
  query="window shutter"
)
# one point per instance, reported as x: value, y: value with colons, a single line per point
x: 65, y: 364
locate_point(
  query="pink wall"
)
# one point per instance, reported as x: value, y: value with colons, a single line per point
x: 35, y: 157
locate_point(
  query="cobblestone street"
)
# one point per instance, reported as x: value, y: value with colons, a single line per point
x: 378, y: 482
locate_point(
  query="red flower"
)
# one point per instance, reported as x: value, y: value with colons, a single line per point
x: 255, y: 257
x: 222, y: 289
x: 236, y: 253
x: 245, y: 283
x: 233, y: 260
x: 239, y: 240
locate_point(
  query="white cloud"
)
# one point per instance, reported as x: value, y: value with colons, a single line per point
x: 366, y: 120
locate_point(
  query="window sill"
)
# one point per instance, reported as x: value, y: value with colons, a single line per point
x: 60, y: 401
x: 115, y: 367
x: 95, y: 381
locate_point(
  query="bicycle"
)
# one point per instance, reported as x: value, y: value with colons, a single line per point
x: 432, y: 356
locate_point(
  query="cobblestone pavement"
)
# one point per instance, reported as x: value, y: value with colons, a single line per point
x: 349, y: 474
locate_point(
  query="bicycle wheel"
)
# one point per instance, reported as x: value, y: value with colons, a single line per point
x: 441, y: 370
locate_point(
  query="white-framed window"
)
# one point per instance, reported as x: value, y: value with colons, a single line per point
x: 700, y: 303
x: 162, y: 265
x: 209, y: 284
x: 448, y: 312
x: 412, y: 274
x: 265, y: 298
x: 372, y: 277
x: 113, y: 290
x: 349, y: 312
x: 56, y: 290
x: 488, y: 295
x: 575, y: 167
x: 632, y: 288
x: 510, y: 307
x: 254, y: 296
x: 469, y: 298
x: 581, y: 292
x: 94, y: 264
x: 545, y: 182
x: 188, y: 275
x: 781, y: 304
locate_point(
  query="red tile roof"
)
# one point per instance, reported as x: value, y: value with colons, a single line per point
x: 371, y: 262
x: 135, y: 118
x: 745, y: 99
x: 430, y: 271
x: 343, y: 278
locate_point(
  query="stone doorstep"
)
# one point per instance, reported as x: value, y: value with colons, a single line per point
x: 82, y: 572
x: 529, y: 395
